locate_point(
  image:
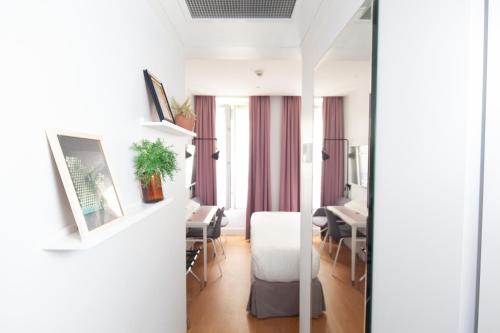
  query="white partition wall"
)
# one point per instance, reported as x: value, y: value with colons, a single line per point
x: 427, y: 165
x: 490, y: 265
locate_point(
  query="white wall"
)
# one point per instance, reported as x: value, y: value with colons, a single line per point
x: 426, y: 167
x: 78, y: 65
x: 490, y: 268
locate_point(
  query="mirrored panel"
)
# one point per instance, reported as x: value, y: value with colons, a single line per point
x: 342, y: 88
x: 358, y: 165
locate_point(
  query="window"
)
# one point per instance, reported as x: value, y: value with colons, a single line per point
x: 232, y: 128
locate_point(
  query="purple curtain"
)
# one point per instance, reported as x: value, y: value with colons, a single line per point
x: 290, y: 155
x: 332, y: 176
x: 259, y: 171
x: 206, y: 183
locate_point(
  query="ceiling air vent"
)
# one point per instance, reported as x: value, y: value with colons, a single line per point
x: 241, y: 9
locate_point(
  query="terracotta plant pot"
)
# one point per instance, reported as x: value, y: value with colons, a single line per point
x: 185, y: 122
x: 153, y: 192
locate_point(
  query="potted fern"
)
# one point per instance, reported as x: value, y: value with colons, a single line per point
x: 154, y: 161
x: 184, y: 117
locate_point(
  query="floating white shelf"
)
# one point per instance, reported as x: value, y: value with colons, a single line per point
x: 71, y: 241
x: 168, y: 127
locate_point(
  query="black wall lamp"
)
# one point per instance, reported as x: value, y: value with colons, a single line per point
x: 215, y: 155
x: 324, y: 155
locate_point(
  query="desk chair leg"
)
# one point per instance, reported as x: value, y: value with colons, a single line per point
x: 323, y: 241
x: 337, y: 255
x: 330, y: 245
x: 220, y: 269
x: 364, y: 275
x: 197, y: 278
x: 216, y: 254
x: 322, y: 245
x: 222, y: 247
x: 215, y: 249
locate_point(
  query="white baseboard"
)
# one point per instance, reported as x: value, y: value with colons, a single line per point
x: 233, y: 231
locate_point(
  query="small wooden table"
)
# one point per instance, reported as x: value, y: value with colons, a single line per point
x: 201, y: 218
x: 355, y: 220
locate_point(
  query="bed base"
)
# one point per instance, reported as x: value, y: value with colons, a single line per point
x: 281, y: 299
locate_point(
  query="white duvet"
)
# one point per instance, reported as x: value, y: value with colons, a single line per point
x: 275, y: 244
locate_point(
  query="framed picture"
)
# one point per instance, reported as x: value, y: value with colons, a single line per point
x: 87, y: 180
x: 159, y: 96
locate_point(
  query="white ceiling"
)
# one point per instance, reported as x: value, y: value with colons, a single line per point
x: 354, y: 43
x: 238, y: 78
x: 241, y: 39
x: 223, y: 54
x: 346, y: 67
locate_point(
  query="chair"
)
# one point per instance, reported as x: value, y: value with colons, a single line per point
x: 191, y: 256
x: 223, y: 222
x: 319, y: 219
x: 339, y: 232
x: 213, y: 234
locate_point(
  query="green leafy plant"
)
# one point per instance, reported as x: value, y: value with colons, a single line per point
x: 154, y: 158
x: 182, y: 109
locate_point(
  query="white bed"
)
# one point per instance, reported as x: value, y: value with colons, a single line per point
x: 275, y: 243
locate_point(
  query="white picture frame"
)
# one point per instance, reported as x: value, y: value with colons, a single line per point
x: 87, y: 179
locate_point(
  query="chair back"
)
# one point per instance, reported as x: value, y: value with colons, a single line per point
x: 333, y: 225
x: 218, y: 220
x: 320, y: 212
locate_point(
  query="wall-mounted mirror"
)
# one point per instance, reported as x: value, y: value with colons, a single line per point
x: 342, y: 87
x: 358, y: 165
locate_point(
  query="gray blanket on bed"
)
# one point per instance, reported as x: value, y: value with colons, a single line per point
x: 281, y: 299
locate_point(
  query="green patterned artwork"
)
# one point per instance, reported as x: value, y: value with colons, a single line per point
x: 86, y: 183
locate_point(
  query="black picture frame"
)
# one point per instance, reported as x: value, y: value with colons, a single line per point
x: 159, y: 96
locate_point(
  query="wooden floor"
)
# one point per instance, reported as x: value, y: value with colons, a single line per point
x: 221, y: 306
x: 344, y: 303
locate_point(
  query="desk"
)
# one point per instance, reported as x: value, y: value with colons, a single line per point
x: 355, y: 220
x: 201, y: 218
